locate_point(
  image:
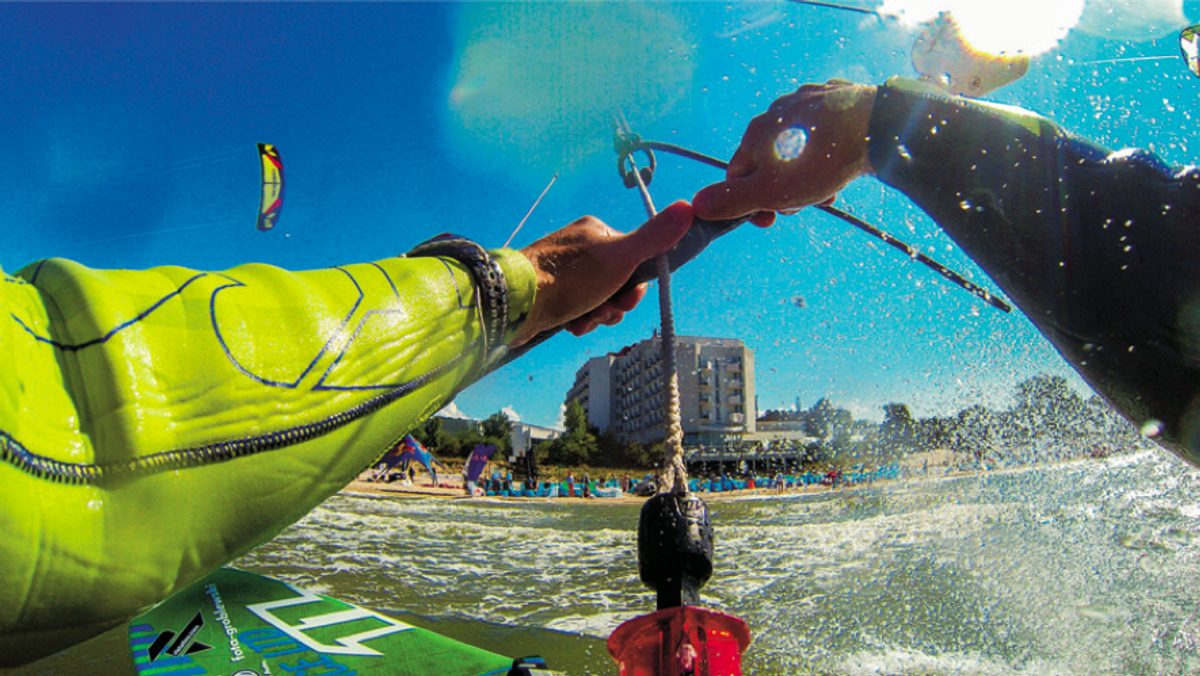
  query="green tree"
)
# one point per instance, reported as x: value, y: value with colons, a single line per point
x: 575, y: 418
x: 1047, y: 406
x: 612, y: 452
x: 641, y: 456
x: 577, y: 444
x: 898, y: 432
x: 1105, y: 423
x: 818, y: 420
x: 497, y: 430
x: 934, y: 433
x: 436, y: 440
x: 466, y: 441
x: 976, y: 430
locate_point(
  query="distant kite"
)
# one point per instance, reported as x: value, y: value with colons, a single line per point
x: 272, y: 186
x: 1189, y: 44
x: 799, y: 302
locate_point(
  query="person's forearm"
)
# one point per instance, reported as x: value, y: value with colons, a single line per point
x: 1099, y: 249
x: 157, y: 424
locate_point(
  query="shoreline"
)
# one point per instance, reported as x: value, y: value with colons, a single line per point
x: 367, y: 488
x: 936, y: 465
x: 454, y: 491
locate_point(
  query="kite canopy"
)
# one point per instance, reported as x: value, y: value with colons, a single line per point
x: 409, y: 448
x: 479, y: 460
x: 271, y: 202
x: 1189, y: 46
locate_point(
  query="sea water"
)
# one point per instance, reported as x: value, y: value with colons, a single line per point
x: 1084, y: 568
x: 1088, y: 567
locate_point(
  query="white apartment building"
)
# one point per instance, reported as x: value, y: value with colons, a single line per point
x: 623, y: 392
x: 593, y: 389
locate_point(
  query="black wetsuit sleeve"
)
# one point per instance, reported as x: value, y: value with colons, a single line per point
x: 1008, y: 185
x: 1100, y: 249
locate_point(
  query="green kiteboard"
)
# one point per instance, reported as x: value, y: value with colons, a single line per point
x: 234, y: 623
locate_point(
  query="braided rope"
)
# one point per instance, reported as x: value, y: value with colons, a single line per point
x: 673, y: 477
x: 674, y: 471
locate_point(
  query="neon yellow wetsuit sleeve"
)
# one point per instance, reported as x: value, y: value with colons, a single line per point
x: 156, y: 424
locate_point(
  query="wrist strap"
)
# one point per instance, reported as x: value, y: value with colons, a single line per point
x: 490, y: 284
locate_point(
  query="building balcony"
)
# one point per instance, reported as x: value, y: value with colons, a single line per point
x: 725, y: 428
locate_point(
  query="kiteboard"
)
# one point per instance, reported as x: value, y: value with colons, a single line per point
x: 236, y: 623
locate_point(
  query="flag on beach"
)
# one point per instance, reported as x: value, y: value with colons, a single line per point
x: 479, y: 460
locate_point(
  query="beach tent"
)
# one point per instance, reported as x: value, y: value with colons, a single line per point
x: 408, y: 448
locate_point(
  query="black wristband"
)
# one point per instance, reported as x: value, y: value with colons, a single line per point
x: 490, y: 283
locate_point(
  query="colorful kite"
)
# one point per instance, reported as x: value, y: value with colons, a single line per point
x: 272, y: 186
x: 1189, y: 45
x: 479, y: 459
x: 409, y: 449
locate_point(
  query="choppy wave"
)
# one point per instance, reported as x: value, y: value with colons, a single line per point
x: 1087, y: 567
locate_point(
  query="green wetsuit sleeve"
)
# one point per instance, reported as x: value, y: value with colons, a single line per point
x: 156, y: 424
x: 1100, y: 249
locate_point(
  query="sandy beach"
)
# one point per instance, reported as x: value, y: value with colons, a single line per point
x: 421, y: 489
x: 418, y: 489
x: 397, y: 490
x: 932, y: 465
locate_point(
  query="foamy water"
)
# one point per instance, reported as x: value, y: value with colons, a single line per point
x: 1082, y: 568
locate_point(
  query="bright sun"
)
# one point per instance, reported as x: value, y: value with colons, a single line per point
x: 1027, y: 26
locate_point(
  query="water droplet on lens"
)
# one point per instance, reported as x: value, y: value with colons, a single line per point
x: 1152, y: 428
x: 1095, y: 612
x: 1181, y: 536
x: 790, y: 143
x: 1149, y: 563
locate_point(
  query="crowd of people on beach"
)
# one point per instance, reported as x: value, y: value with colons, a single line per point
x: 809, y: 476
x: 502, y: 484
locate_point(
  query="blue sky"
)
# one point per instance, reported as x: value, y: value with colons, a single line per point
x: 128, y: 135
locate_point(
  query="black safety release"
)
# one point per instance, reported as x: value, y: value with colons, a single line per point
x: 675, y: 548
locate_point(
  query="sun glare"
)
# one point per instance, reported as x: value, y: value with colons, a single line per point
x: 1029, y: 27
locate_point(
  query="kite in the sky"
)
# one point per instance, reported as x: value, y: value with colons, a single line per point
x: 272, y: 186
x: 1189, y: 44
